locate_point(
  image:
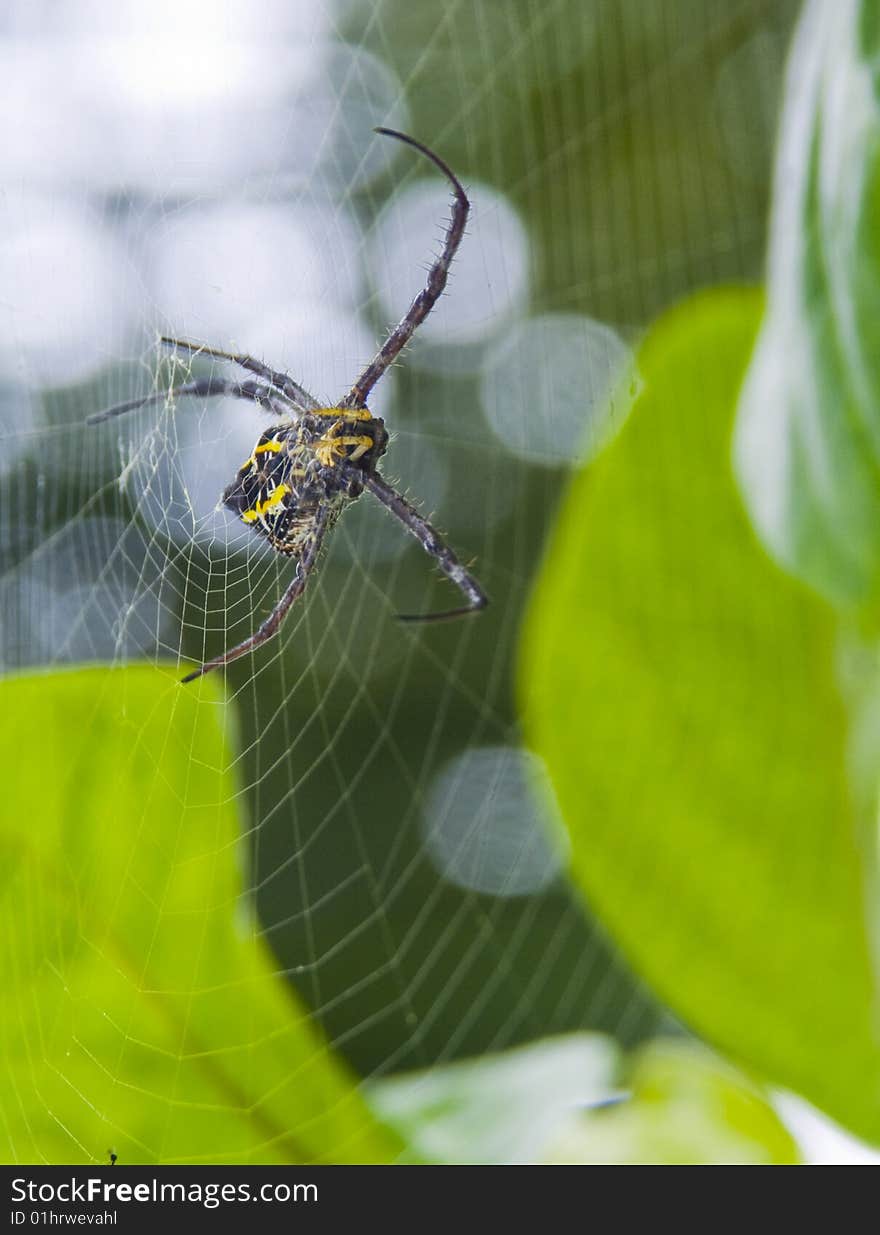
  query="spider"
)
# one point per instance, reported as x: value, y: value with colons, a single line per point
x: 306, y: 468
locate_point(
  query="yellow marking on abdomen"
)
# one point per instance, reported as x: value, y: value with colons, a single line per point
x: 273, y: 446
x: 274, y: 499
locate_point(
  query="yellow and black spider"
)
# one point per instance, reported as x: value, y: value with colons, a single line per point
x: 306, y: 469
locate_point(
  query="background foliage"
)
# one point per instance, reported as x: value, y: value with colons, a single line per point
x: 225, y: 937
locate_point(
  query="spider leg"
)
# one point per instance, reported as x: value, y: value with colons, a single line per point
x: 270, y: 627
x: 205, y: 388
x: 285, y: 385
x: 433, y: 544
x: 428, y: 297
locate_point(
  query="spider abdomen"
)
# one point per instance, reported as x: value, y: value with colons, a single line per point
x: 304, y: 467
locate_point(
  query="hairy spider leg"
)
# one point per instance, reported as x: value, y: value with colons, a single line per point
x: 294, y: 590
x: 428, y: 297
x: 282, y: 382
x: 205, y: 388
x: 433, y: 545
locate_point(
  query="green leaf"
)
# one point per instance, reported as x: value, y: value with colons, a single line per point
x: 141, y: 1011
x: 532, y: 1105
x: 808, y: 439
x: 687, y: 1107
x: 498, y: 1109
x: 684, y: 694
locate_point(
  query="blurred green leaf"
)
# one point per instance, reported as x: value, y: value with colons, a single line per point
x: 687, y: 1107
x: 141, y: 1011
x: 683, y: 692
x: 530, y: 1105
x: 501, y: 1108
x: 808, y: 440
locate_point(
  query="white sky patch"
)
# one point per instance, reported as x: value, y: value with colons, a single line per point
x: 115, y: 111
x: 554, y: 386
x: 489, y: 278
x: 490, y: 822
x: 213, y: 270
x: 69, y: 300
x: 234, y: 19
x: 196, y: 102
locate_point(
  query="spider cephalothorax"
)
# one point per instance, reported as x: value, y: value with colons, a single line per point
x: 305, y: 469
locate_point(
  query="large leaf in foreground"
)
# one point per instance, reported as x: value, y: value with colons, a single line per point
x: 140, y: 1010
x: 684, y: 694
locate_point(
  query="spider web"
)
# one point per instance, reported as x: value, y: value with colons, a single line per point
x: 400, y: 874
